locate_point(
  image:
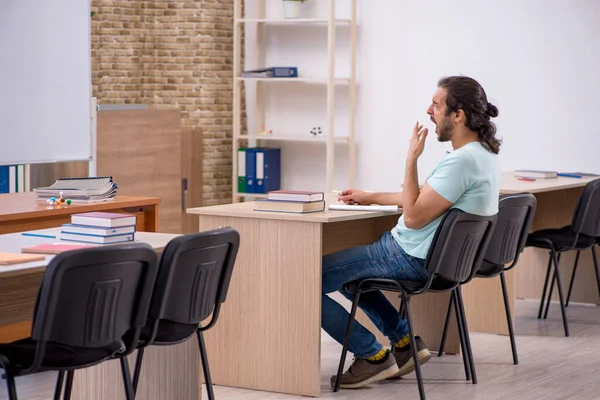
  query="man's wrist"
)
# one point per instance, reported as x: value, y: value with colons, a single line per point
x: 410, y: 160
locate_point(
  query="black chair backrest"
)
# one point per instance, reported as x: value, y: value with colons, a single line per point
x: 194, y: 275
x: 586, y: 219
x: 94, y: 297
x: 515, y: 215
x: 458, y: 246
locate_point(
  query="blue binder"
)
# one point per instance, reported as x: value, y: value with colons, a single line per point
x: 4, y: 179
x: 268, y: 170
x: 263, y: 169
x: 250, y: 169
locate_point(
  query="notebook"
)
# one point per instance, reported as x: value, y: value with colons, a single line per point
x: 12, y: 258
x: 80, y: 189
x: 53, y: 248
x: 356, y: 207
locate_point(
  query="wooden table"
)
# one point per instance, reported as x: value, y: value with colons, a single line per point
x: 170, y: 372
x: 21, y: 212
x: 276, y: 286
x: 271, y: 322
x: 556, y: 202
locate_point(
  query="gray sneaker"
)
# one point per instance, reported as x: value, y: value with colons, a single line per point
x: 363, y: 372
x: 404, y: 357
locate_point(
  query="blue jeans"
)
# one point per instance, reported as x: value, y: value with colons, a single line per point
x: 382, y: 259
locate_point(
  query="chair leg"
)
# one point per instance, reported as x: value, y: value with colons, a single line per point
x: 10, y: 385
x: 59, y: 385
x: 205, y: 368
x: 413, y: 346
x: 340, y: 371
x: 445, y: 332
x: 461, y: 336
x: 595, y: 257
x: 129, y: 394
x: 69, y: 384
x: 463, y: 317
x: 138, y: 369
x: 509, y: 322
x: 545, y: 286
x: 572, y: 278
x: 560, y: 293
x: 549, y: 299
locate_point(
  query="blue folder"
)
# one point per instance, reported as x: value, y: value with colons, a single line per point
x: 263, y: 170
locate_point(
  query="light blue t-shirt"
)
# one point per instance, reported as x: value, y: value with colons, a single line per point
x: 468, y: 177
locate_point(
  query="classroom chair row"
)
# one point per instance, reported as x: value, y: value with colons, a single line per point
x: 103, y: 303
x: 467, y: 246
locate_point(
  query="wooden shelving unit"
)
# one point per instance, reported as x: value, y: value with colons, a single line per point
x: 329, y: 138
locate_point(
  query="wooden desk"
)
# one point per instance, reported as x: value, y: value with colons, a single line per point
x: 21, y: 212
x: 270, y: 324
x: 170, y: 372
x: 556, y: 202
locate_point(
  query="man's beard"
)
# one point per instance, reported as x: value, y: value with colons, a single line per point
x: 445, y: 130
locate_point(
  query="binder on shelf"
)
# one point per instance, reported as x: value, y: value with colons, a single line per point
x: 271, y: 72
x: 241, y: 170
x: 268, y: 170
x: 250, y: 169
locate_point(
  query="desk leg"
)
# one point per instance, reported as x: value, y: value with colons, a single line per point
x: 151, y: 218
x: 168, y: 372
x: 268, y: 335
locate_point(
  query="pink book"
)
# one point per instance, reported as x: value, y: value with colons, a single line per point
x: 53, y: 248
x: 104, y: 219
x: 295, y: 195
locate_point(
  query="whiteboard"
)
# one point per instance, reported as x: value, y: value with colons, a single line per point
x: 45, y: 81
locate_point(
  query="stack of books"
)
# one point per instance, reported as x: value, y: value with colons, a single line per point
x: 100, y: 227
x: 292, y: 201
x: 83, y: 190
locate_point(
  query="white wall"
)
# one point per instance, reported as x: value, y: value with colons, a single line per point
x: 538, y: 60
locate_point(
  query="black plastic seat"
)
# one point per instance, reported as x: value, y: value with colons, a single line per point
x: 91, y: 306
x: 580, y: 235
x: 456, y: 252
x: 515, y: 215
x: 192, y: 283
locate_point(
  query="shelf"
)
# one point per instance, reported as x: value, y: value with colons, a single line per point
x: 296, y: 80
x: 296, y: 138
x: 292, y: 21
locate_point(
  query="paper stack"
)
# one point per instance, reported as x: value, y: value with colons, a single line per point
x: 86, y: 190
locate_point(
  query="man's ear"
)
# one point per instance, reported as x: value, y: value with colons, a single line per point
x: 460, y: 116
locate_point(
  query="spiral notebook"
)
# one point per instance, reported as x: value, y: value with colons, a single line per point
x: 96, y: 188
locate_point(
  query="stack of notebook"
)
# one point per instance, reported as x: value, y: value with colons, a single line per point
x: 87, y: 190
x: 100, y: 227
x: 292, y: 201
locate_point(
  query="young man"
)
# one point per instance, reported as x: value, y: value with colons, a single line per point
x: 468, y: 178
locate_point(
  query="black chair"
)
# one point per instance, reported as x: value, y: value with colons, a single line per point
x: 192, y: 283
x: 515, y: 215
x: 92, y: 304
x: 580, y: 235
x: 575, y: 270
x: 457, y: 249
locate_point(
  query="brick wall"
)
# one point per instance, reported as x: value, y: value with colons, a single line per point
x: 172, y: 53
